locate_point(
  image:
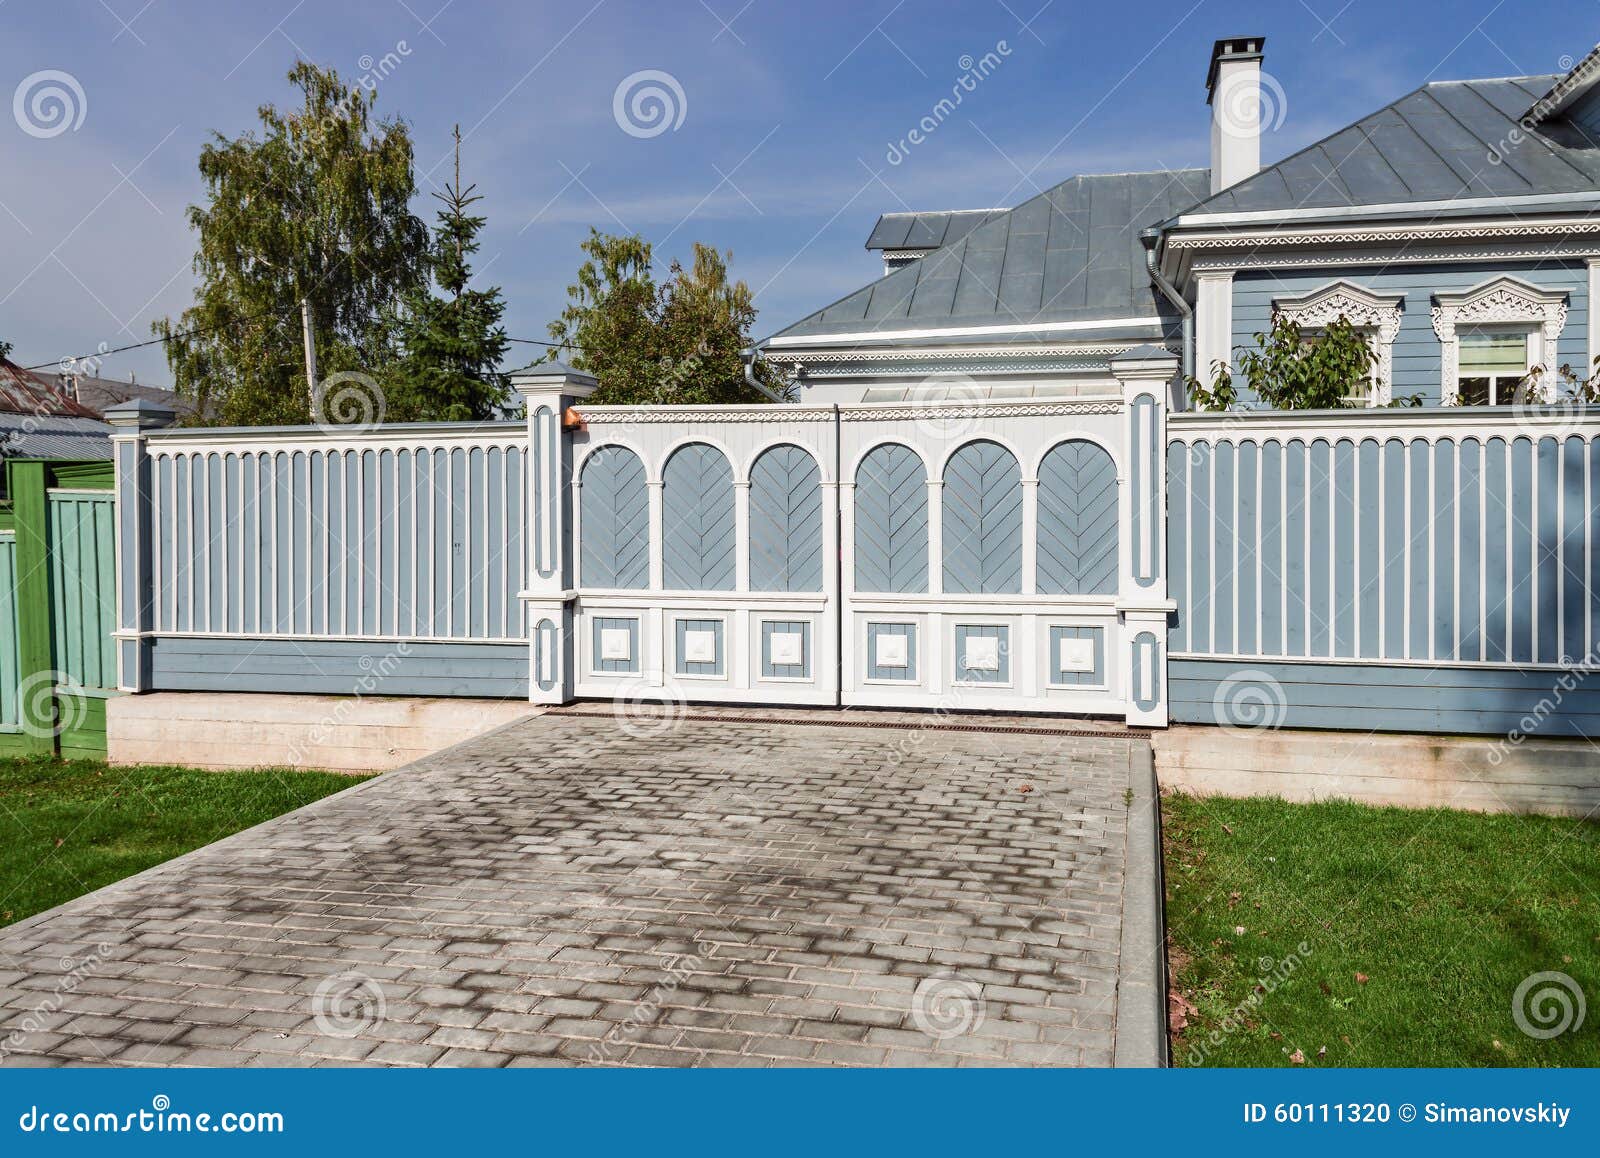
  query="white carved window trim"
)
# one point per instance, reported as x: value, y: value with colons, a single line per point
x: 1375, y: 315
x: 1503, y: 300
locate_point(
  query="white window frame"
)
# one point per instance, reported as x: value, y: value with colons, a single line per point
x: 1375, y: 316
x: 1530, y: 338
x: 1505, y: 302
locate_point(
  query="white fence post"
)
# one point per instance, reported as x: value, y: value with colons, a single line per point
x: 550, y: 575
x: 1146, y: 374
x: 135, y: 594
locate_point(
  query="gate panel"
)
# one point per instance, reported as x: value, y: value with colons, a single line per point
x: 738, y: 553
x: 997, y: 585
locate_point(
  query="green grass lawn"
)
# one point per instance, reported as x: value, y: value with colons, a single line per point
x: 69, y: 827
x: 1363, y: 936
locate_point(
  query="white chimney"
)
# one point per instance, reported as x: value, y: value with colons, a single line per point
x: 1233, y: 90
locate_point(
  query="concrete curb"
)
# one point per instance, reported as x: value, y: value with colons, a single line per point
x: 1141, y: 1028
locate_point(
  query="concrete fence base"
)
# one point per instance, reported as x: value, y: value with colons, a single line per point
x: 1481, y: 774
x: 341, y: 733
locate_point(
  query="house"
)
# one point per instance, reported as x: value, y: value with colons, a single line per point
x: 40, y: 421
x: 98, y: 394
x: 1454, y: 227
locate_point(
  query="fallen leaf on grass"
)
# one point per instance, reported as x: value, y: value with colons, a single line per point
x: 1361, y: 978
x: 1297, y: 1058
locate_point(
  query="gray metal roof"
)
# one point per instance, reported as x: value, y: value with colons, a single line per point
x: 1443, y: 141
x: 52, y: 436
x: 927, y: 230
x: 1071, y: 254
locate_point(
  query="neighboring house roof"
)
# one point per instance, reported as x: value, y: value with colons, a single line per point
x: 1445, y: 141
x: 99, y: 393
x: 927, y: 230
x: 52, y: 436
x: 1064, y: 260
x: 24, y: 392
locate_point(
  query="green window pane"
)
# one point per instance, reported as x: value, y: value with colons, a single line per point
x: 1489, y: 353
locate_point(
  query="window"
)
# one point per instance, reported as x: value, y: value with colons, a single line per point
x: 1365, y: 393
x: 1491, y: 363
x: 1376, y: 317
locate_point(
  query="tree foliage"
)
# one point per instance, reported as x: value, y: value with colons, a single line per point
x: 673, y: 342
x: 315, y: 207
x: 1288, y: 371
x: 449, y: 348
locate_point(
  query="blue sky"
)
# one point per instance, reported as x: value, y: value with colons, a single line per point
x: 788, y: 114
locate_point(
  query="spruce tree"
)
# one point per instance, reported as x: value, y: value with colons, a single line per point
x: 450, y: 346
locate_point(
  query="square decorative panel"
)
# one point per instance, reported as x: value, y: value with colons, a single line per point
x: 983, y: 653
x: 699, y: 649
x: 1077, y: 656
x: 699, y: 646
x: 785, y: 649
x: 788, y: 648
x: 892, y: 651
x: 616, y: 643
x: 614, y: 646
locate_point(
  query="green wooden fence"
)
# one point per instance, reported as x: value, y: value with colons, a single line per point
x: 57, y: 608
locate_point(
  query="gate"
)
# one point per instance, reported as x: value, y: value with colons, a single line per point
x: 986, y: 554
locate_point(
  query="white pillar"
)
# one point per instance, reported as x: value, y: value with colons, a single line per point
x: 1143, y: 607
x: 1213, y: 322
x: 549, y: 585
x: 1594, y: 316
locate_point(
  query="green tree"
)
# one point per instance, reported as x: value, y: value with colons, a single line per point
x: 673, y: 343
x: 450, y: 347
x: 307, y: 228
x: 1289, y: 371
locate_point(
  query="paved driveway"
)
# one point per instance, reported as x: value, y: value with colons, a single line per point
x: 719, y: 890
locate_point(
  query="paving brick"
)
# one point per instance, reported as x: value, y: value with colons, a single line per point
x: 722, y: 894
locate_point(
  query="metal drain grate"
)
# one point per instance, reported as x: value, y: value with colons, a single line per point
x: 900, y: 725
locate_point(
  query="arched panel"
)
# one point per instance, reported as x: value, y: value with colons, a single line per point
x: 982, y: 521
x: 891, y: 516
x: 697, y: 533
x: 1077, y: 520
x: 614, y: 521
x: 785, y: 521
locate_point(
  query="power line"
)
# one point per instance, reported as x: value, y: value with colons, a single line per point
x: 57, y: 363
